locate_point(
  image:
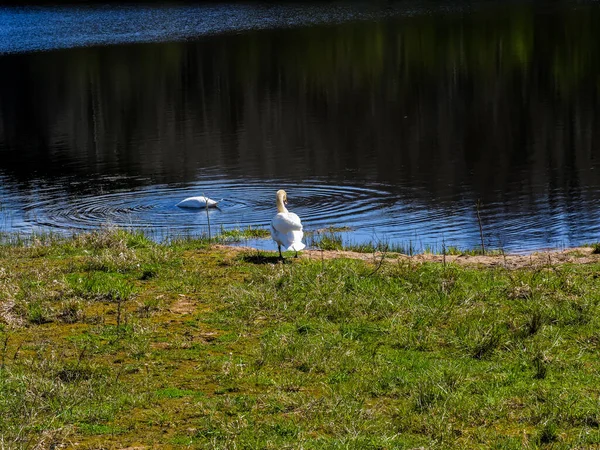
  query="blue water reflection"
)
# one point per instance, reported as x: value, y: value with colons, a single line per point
x: 392, y: 119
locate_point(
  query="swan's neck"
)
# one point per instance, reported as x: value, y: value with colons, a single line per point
x: 280, y: 206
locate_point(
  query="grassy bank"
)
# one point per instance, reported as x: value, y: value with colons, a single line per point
x: 108, y: 340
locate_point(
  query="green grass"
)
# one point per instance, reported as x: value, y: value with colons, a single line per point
x: 332, y: 239
x: 224, y: 236
x: 240, y: 234
x: 327, y: 239
x: 110, y: 340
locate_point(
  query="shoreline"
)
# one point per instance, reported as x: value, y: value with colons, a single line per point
x: 233, y: 243
x: 575, y: 255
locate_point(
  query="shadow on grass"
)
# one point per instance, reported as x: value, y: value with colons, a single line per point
x: 260, y: 258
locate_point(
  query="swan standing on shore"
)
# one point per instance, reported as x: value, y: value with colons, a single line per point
x: 286, y: 228
x: 198, y: 203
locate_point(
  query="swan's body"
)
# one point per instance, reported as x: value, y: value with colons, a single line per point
x: 198, y: 203
x: 286, y: 227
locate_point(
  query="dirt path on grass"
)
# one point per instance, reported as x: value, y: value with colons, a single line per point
x: 579, y: 255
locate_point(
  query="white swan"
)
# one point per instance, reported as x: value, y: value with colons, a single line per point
x: 286, y: 228
x: 198, y: 203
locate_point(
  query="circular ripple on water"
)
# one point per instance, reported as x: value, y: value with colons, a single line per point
x: 372, y: 212
x: 243, y: 203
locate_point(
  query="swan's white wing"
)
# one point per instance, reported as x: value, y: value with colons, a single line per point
x: 277, y: 237
x: 286, y: 230
x: 197, y: 202
x: 296, y: 243
x: 192, y: 202
x: 286, y: 222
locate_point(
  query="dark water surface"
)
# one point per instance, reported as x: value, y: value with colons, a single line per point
x: 392, y: 119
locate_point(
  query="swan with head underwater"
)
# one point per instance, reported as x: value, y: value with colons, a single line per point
x: 286, y: 228
x: 199, y: 202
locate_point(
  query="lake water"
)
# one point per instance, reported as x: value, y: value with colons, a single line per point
x: 391, y: 118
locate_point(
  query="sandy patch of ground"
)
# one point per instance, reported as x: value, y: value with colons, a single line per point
x: 183, y: 305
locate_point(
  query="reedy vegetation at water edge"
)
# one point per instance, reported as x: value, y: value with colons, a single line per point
x: 111, y: 340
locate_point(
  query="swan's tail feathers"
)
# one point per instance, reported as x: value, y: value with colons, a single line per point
x: 296, y: 246
x: 295, y: 240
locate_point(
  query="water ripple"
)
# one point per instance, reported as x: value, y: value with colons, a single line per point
x: 372, y: 213
x: 242, y: 203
